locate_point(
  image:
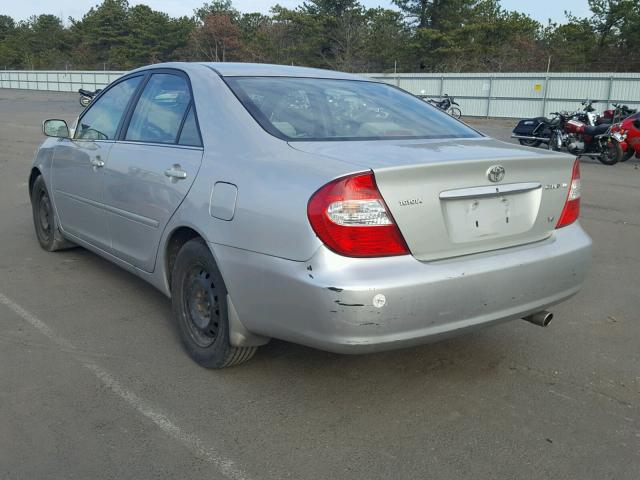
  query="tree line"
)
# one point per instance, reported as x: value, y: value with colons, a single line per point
x: 416, y: 36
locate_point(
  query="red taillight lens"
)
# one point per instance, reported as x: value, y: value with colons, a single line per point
x: 351, y: 218
x: 571, y: 209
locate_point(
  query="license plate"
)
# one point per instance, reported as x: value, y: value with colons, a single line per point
x: 473, y: 219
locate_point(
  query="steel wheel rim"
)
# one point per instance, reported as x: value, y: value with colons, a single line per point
x: 200, y: 306
x: 44, y: 216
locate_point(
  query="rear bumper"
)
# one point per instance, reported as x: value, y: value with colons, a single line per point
x: 330, y: 301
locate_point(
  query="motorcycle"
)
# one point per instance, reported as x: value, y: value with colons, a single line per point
x: 582, y: 139
x: 588, y: 114
x: 615, y: 114
x: 628, y: 131
x: 531, y: 132
x: 448, y: 104
x: 86, y: 96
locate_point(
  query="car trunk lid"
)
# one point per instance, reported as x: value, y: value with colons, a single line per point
x: 440, y: 194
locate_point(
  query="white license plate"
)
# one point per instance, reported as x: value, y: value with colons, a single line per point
x: 472, y: 219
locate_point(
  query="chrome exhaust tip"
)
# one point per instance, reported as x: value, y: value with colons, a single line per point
x: 542, y: 319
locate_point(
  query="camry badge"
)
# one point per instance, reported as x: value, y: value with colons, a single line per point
x: 495, y: 173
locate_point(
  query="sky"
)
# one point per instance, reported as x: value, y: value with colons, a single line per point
x: 541, y: 10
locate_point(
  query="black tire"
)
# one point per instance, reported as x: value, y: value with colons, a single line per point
x: 455, y: 112
x: 529, y: 143
x: 44, y: 219
x: 611, y: 153
x: 628, y: 154
x: 199, y: 301
x: 85, y: 101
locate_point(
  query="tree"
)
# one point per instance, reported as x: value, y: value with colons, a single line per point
x: 425, y: 35
x: 217, y: 39
x: 101, y: 34
x: 7, y: 26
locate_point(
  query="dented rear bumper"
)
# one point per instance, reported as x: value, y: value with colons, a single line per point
x: 350, y: 305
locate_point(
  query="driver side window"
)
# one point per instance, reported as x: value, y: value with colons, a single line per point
x: 101, y: 121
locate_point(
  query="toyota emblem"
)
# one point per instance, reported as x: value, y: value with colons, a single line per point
x: 496, y: 173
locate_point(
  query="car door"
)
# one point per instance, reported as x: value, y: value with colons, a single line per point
x: 77, y: 174
x: 151, y: 167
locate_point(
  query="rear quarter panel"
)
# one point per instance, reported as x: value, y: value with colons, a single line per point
x: 274, y: 181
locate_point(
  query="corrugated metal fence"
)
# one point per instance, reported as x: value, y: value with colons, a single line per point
x: 522, y: 94
x: 479, y: 94
x: 57, y: 81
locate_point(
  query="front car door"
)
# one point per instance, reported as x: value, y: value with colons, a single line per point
x: 152, y: 167
x: 77, y: 173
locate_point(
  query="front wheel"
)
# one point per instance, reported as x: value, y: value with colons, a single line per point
x: 45, y: 220
x: 555, y: 142
x: 199, y: 301
x: 455, y: 112
x: 611, y: 152
x: 628, y: 154
x: 85, y: 101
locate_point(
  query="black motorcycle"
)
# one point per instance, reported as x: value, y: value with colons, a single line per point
x: 86, y: 96
x: 448, y: 104
x: 532, y: 132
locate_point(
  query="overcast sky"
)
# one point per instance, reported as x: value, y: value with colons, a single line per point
x: 541, y: 10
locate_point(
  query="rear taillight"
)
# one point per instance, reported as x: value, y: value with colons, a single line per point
x: 571, y: 209
x: 351, y: 218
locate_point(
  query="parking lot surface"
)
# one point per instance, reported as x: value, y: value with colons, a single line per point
x: 94, y: 383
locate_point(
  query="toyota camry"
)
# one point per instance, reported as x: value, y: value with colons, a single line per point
x: 307, y: 205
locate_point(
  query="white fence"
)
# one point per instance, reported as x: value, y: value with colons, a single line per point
x: 479, y: 94
x: 522, y: 94
x: 57, y: 81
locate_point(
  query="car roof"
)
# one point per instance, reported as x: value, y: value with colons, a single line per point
x: 233, y: 69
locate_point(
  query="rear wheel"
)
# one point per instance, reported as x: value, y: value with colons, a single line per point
x: 85, y: 101
x: 611, y: 152
x: 199, y: 300
x: 45, y: 220
x: 529, y: 143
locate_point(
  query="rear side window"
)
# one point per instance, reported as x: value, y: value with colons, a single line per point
x: 327, y: 109
x: 160, y: 110
x: 101, y: 121
x: 189, y: 134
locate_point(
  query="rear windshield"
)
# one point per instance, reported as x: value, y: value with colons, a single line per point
x: 298, y: 109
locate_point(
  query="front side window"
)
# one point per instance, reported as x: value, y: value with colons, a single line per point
x: 326, y: 109
x: 161, y: 108
x: 101, y: 121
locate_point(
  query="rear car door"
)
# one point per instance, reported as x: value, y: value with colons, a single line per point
x: 151, y: 167
x: 77, y: 174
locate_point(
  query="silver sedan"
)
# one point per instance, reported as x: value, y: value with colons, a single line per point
x: 307, y: 205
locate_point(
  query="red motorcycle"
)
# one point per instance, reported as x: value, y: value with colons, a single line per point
x: 594, y: 141
x: 615, y: 114
x: 628, y: 131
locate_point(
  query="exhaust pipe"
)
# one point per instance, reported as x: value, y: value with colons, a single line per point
x: 542, y: 319
x: 527, y: 137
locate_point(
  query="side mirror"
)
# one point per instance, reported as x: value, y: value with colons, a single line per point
x: 55, y: 128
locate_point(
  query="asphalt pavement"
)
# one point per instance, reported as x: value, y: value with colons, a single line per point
x: 95, y: 385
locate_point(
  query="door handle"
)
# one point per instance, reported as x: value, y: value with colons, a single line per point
x: 96, y: 162
x: 175, y: 173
